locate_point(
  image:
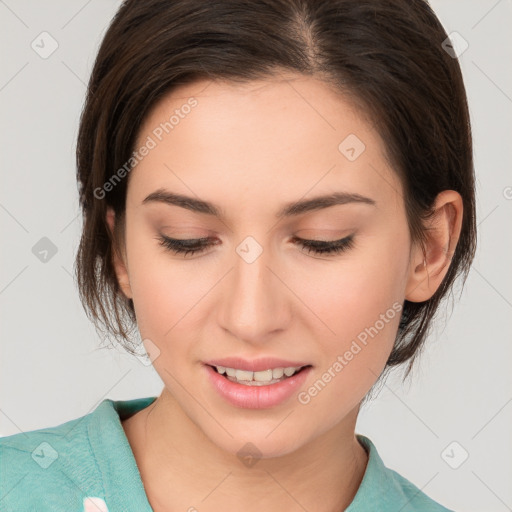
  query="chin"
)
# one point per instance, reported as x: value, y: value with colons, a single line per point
x: 264, y: 443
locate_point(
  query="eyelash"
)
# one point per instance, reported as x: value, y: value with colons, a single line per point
x: 198, y: 245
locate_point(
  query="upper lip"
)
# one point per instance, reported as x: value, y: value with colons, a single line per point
x: 256, y: 365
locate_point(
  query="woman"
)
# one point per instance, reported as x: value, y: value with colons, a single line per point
x: 277, y: 195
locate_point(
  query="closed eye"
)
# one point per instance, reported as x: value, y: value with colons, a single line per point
x: 199, y: 245
x: 326, y: 247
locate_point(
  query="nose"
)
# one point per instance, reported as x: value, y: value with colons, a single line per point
x: 253, y: 304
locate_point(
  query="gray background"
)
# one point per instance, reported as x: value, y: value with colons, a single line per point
x: 51, y: 368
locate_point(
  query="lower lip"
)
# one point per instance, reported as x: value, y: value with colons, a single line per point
x: 257, y: 397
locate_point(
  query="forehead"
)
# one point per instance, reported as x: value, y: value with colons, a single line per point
x: 279, y: 137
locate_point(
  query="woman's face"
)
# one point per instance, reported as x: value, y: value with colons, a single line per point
x: 255, y: 292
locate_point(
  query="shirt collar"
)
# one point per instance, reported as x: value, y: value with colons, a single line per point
x: 119, y: 469
x: 377, y: 485
x: 122, y: 481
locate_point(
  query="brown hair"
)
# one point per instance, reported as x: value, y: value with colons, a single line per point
x: 386, y: 54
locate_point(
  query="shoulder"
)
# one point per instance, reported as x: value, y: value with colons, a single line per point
x: 387, y: 488
x: 55, y: 463
x: 416, y: 499
x: 74, y: 466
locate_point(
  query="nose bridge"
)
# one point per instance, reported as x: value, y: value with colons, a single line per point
x: 252, y: 305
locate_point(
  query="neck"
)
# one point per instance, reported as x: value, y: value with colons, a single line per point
x: 182, y: 469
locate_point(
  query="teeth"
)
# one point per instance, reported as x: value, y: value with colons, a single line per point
x: 263, y: 376
x: 243, y: 375
x: 277, y: 373
x: 266, y: 376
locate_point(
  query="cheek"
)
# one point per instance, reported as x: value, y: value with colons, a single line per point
x: 163, y: 302
x: 351, y: 296
x: 163, y: 293
x: 359, y: 302
x: 360, y: 318
x: 166, y: 301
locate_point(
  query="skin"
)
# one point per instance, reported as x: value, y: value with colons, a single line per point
x: 249, y: 149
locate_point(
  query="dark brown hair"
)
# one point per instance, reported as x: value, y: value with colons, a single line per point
x: 387, y: 55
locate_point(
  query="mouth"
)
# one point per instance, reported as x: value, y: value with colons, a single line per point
x: 257, y: 384
x: 258, y: 378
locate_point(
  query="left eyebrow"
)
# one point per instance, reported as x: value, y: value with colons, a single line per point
x: 291, y: 209
x: 321, y: 202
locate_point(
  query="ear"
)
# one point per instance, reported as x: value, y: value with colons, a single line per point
x: 427, y: 270
x: 120, y: 265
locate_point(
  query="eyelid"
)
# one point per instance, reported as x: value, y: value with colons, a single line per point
x: 199, y: 245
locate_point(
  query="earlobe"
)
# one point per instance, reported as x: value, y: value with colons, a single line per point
x: 429, y: 264
x: 120, y: 266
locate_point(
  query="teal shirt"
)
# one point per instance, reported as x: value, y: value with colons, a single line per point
x: 87, y: 465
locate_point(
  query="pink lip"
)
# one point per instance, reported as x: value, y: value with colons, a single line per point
x: 256, y: 365
x: 256, y: 397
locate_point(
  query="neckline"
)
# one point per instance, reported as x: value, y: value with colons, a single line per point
x: 122, y: 481
x: 120, y: 472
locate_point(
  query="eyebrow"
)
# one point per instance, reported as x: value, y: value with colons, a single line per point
x: 288, y: 210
